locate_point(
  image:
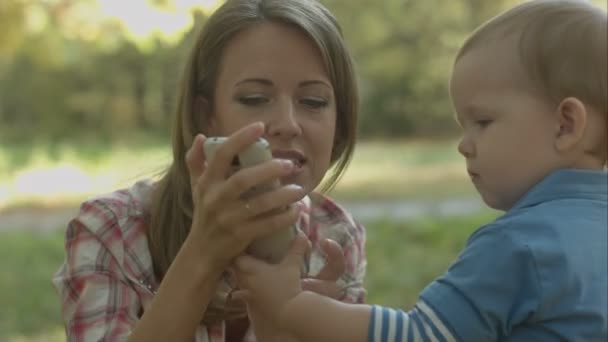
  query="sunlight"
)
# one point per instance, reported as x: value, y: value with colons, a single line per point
x: 70, y: 178
x: 52, y: 181
x: 142, y: 20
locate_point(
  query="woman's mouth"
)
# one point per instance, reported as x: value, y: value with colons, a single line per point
x: 297, y: 158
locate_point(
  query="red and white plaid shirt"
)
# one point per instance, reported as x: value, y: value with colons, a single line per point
x: 107, y: 280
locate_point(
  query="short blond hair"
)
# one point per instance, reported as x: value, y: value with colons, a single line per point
x: 561, y: 45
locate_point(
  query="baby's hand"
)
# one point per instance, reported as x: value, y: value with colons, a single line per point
x: 326, y: 282
x: 267, y: 287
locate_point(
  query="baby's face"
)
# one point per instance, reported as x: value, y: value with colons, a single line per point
x: 508, y: 129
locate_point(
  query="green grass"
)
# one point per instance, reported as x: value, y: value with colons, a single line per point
x: 27, y: 298
x: 402, y: 259
x: 66, y: 174
x: 405, y: 170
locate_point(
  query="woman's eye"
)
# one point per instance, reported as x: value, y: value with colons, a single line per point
x: 483, y: 123
x: 252, y: 100
x: 315, y: 103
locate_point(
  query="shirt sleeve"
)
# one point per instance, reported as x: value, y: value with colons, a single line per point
x: 420, y: 324
x: 491, y: 288
x: 97, y: 301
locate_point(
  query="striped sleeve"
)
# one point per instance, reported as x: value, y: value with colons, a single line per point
x: 420, y: 324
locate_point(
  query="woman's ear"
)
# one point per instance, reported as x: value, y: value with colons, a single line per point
x: 572, y: 122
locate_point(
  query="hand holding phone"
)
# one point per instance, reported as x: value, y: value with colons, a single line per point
x: 273, y: 247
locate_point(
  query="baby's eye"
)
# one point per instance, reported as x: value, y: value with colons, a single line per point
x: 314, y: 102
x: 252, y: 100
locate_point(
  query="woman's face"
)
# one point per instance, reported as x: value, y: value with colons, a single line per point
x: 275, y: 74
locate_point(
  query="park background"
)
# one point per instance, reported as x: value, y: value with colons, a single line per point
x: 87, y: 88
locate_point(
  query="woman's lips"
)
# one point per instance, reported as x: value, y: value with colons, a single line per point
x: 297, y: 157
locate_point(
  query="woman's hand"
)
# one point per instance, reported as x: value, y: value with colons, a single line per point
x: 223, y: 223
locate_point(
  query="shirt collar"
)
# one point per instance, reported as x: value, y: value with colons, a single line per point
x: 567, y: 183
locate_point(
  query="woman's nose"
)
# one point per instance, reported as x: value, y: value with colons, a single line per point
x: 283, y: 121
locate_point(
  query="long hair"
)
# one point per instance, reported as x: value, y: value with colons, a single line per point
x: 171, y: 203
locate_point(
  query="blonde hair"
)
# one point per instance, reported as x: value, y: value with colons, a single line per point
x: 562, y: 47
x: 171, y: 206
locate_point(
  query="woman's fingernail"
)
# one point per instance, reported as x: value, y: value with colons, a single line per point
x: 257, y: 128
x: 287, y: 164
x: 295, y: 187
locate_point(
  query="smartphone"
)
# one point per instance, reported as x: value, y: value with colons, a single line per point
x: 273, y: 247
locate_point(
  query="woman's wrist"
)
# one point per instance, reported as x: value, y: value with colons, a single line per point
x: 181, y: 299
x: 204, y: 265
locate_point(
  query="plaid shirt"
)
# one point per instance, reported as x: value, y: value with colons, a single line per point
x: 107, y: 280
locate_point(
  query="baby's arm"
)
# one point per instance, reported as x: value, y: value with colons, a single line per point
x: 276, y: 302
x: 274, y: 293
x: 312, y: 317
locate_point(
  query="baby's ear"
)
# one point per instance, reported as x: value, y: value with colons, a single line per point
x: 572, y: 122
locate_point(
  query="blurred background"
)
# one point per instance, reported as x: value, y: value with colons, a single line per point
x: 87, y: 88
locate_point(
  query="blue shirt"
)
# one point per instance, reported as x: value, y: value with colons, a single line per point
x: 538, y: 273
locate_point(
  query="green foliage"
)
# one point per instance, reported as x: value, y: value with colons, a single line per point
x: 405, y: 257
x: 405, y: 170
x: 57, y: 85
x: 65, y: 75
x: 404, y: 52
x: 402, y: 258
x: 28, y: 301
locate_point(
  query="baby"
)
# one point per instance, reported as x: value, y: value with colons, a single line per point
x: 530, y: 91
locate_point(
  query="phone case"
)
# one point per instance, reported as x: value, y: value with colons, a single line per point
x: 272, y: 247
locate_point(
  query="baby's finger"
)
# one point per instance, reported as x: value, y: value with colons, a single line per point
x: 240, y: 295
x: 325, y: 288
x: 246, y: 265
x: 335, y: 263
x: 298, y: 250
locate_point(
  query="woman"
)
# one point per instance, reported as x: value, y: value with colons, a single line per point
x: 151, y: 262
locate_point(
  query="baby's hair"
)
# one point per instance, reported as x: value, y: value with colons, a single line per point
x: 561, y: 45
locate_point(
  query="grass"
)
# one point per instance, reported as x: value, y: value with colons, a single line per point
x: 404, y: 170
x: 27, y: 298
x: 402, y: 259
x: 403, y: 256
x: 66, y: 174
